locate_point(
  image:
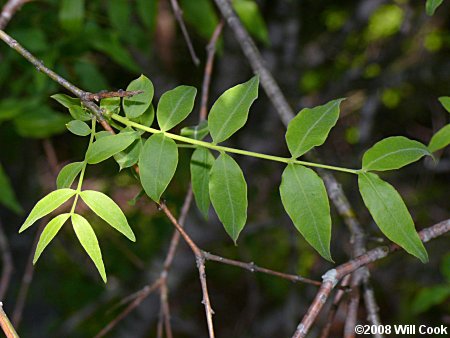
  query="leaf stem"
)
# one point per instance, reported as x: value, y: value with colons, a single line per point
x: 216, y: 147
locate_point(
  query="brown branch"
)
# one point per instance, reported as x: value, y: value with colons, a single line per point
x: 8, y: 11
x: 331, y: 277
x: 211, y: 50
x: 105, y: 94
x: 6, y: 325
x: 7, y: 263
x: 179, y: 17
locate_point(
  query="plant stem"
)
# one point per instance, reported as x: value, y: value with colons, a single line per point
x: 216, y: 147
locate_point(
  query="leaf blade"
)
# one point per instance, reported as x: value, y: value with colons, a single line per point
x: 174, y: 106
x: 108, y: 146
x: 391, y: 214
x: 305, y: 199
x: 440, y: 139
x: 7, y: 195
x: 78, y: 128
x: 228, y: 193
x: 230, y: 112
x: 432, y: 5
x: 201, y: 163
x: 46, y: 205
x: 105, y: 208
x: 89, y: 242
x: 157, y: 164
x: 68, y: 174
x: 136, y: 105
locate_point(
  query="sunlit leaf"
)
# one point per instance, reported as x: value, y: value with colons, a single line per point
x: 49, y: 232
x: 252, y: 19
x: 391, y: 214
x: 393, y: 153
x: 78, y: 127
x: 440, y: 139
x: 228, y: 192
x: 136, y: 105
x: 201, y: 162
x: 46, y: 205
x: 174, y: 106
x: 305, y: 199
x: 445, y: 101
x: 157, y: 164
x: 108, y: 210
x: 229, y: 113
x: 89, y: 242
x: 108, y: 146
x: 311, y: 126
x: 68, y: 174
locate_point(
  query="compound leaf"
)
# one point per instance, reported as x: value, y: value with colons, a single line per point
x: 157, y: 164
x: 108, y: 210
x: 228, y: 192
x: 393, y: 153
x: 174, y: 106
x: 89, y: 242
x: 229, y: 113
x: 46, y: 205
x: 391, y: 214
x: 305, y: 199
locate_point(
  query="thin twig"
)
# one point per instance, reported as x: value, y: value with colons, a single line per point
x: 331, y: 277
x: 179, y: 17
x: 6, y: 325
x: 105, y: 94
x: 8, y: 11
x: 7, y: 262
x: 211, y: 50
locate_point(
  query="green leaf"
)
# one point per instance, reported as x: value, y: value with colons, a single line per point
x: 305, y: 199
x: 71, y: 15
x: 129, y: 156
x: 228, y: 192
x: 311, y: 126
x: 157, y: 164
x: 147, y: 11
x: 440, y: 139
x: 391, y: 214
x: 108, y: 146
x: 42, y: 122
x: 46, y: 205
x: 68, y: 174
x: 252, y: 19
x: 50, y: 231
x: 74, y: 106
x: 432, y: 5
x: 78, y: 127
x: 111, y: 105
x: 89, y: 242
x: 229, y: 113
x: 197, y: 132
x: 174, y: 106
x: 119, y: 15
x: 108, y: 210
x: 201, y: 162
x: 201, y: 14
x: 445, y: 101
x: 136, y: 105
x: 429, y: 297
x: 7, y: 196
x: 145, y: 119
x: 393, y: 153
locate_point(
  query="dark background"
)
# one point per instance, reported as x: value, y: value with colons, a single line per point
x: 388, y: 58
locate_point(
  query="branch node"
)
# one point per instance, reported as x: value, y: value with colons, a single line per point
x: 331, y: 276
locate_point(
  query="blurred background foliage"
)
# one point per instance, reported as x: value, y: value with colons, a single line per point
x: 388, y: 58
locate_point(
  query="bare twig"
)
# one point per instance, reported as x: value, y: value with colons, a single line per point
x: 211, y: 50
x: 6, y: 325
x: 105, y: 94
x: 331, y: 277
x: 7, y: 263
x: 179, y: 16
x: 8, y: 11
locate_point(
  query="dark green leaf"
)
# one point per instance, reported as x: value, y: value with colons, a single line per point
x: 201, y: 15
x: 228, y: 192
x: 50, y: 231
x: 174, y: 106
x: 136, y: 105
x: 71, y: 15
x: 229, y: 113
x: 111, y: 105
x: 445, y: 101
x: 311, y: 126
x: 129, y: 156
x: 78, y: 127
x: 108, y: 146
x: 201, y: 162
x: 429, y: 297
x: 88, y: 240
x: 9, y: 109
x: 46, y: 205
x: 305, y: 199
x: 391, y: 214
x: 119, y: 15
x: 441, y: 139
x: 197, y: 132
x: 252, y: 19
x: 40, y: 123
x: 147, y: 11
x: 432, y: 5
x: 68, y: 174
x: 393, y: 153
x: 145, y: 119
x: 157, y: 165
x: 108, y: 210
x: 7, y: 196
